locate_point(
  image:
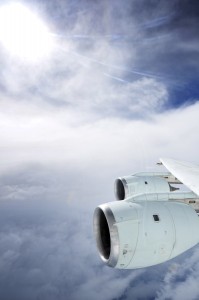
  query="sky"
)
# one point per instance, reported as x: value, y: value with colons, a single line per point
x: 90, y: 91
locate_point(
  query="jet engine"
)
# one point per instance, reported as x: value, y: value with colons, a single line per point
x: 128, y: 186
x: 150, y: 226
x: 139, y: 234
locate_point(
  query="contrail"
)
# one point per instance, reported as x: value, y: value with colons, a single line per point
x: 116, y: 78
x: 158, y: 21
x: 116, y: 67
x: 91, y: 37
x: 117, y: 37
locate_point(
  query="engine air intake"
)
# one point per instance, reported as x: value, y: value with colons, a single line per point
x: 119, y: 189
x: 102, y: 234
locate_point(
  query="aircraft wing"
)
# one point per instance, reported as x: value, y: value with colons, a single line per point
x: 185, y: 172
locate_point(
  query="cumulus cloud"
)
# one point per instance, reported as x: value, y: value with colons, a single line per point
x: 47, y: 249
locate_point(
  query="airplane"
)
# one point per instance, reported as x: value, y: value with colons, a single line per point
x: 151, y: 220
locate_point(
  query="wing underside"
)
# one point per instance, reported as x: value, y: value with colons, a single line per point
x: 185, y: 172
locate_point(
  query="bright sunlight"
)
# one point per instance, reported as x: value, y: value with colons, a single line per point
x: 23, y: 34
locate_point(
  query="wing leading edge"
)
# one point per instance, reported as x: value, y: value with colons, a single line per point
x: 187, y: 173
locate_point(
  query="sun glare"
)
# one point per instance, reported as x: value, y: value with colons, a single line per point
x: 23, y: 34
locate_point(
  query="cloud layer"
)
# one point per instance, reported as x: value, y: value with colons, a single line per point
x: 118, y: 93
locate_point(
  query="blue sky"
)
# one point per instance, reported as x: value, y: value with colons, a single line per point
x: 118, y: 91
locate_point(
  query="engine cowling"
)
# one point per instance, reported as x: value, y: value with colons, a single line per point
x: 128, y: 186
x: 138, y: 234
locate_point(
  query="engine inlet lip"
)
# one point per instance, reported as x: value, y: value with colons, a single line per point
x: 113, y: 231
x: 124, y: 184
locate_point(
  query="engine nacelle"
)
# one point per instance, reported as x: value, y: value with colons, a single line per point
x: 128, y: 186
x: 138, y: 234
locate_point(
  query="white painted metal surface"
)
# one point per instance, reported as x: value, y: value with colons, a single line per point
x: 152, y: 223
x: 137, y: 240
x: 133, y: 185
x: 187, y: 173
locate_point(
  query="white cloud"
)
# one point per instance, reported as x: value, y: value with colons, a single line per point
x: 181, y: 282
x: 47, y: 135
